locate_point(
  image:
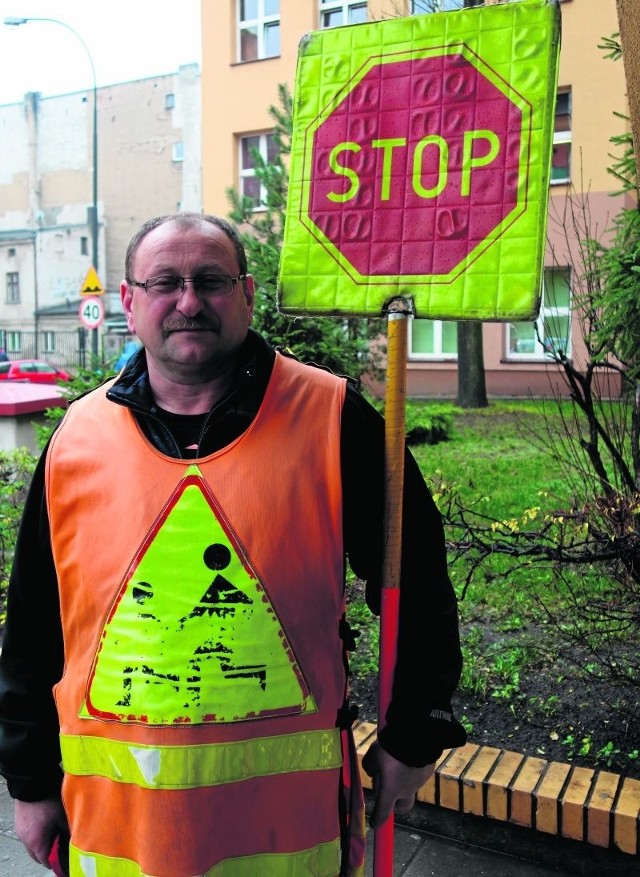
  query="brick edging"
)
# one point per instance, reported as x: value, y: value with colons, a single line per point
x: 593, y: 806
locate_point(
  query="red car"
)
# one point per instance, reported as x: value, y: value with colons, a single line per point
x: 33, y: 370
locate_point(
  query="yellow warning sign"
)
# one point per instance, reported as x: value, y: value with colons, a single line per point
x: 92, y: 284
x: 192, y: 637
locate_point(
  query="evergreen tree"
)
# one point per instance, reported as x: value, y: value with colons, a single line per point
x: 341, y: 344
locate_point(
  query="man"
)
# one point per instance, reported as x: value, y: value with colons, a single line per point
x: 179, y: 583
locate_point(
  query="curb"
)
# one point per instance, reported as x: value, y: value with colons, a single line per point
x: 594, y: 807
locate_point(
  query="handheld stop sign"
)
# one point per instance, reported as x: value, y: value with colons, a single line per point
x: 420, y: 164
x: 418, y: 185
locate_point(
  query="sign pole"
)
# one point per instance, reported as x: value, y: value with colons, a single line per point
x: 398, y: 311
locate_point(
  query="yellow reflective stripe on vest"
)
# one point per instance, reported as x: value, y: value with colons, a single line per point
x: 184, y: 767
x: 320, y: 861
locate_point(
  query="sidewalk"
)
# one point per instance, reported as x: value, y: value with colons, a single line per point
x: 416, y: 854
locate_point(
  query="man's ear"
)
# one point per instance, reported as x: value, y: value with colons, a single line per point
x: 249, y: 292
x: 126, y: 296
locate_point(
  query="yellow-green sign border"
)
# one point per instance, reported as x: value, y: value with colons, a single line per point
x: 520, y: 42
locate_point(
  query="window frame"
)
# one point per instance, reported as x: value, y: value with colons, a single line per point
x: 438, y: 355
x: 49, y: 341
x: 13, y: 341
x: 562, y: 136
x: 442, y: 6
x: 547, y: 313
x: 266, y: 141
x: 345, y: 7
x: 12, y: 288
x: 262, y: 23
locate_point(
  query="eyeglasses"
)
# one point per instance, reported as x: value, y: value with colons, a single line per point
x: 211, y: 285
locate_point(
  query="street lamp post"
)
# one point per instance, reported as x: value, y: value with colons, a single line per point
x: 15, y: 22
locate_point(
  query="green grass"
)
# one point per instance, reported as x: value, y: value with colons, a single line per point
x: 492, y: 461
x: 497, y: 468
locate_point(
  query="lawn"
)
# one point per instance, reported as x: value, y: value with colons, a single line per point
x: 526, y: 685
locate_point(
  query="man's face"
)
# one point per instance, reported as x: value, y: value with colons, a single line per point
x: 189, y: 337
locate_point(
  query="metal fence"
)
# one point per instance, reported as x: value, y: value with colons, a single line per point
x: 72, y: 349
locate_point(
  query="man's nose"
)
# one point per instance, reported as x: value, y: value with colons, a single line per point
x: 189, y: 302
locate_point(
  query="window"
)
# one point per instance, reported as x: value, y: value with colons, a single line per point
x: 256, y: 144
x: 14, y: 342
x: 333, y: 14
x: 177, y: 151
x: 258, y: 29
x: 169, y: 101
x: 84, y: 246
x: 433, y: 339
x: 551, y: 332
x: 49, y: 340
x: 561, y: 161
x: 11, y: 252
x: 421, y: 6
x: 13, y: 288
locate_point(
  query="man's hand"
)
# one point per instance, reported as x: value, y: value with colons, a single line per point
x: 37, y: 824
x: 394, y: 783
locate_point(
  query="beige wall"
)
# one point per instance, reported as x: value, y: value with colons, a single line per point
x: 236, y: 98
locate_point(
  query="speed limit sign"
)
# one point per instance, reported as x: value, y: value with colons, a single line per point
x: 91, y: 312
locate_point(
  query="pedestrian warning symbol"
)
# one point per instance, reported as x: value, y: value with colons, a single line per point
x: 192, y: 637
x: 91, y: 284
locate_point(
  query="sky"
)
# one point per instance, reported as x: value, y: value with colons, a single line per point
x: 126, y: 39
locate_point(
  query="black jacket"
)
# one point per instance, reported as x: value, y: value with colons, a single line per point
x: 419, y: 724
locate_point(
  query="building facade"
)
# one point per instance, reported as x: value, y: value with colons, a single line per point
x: 149, y: 162
x: 250, y: 47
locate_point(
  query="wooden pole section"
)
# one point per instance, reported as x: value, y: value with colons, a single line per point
x: 629, y: 22
x: 398, y: 311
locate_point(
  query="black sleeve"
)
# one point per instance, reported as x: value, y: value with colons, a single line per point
x: 32, y: 658
x: 419, y: 720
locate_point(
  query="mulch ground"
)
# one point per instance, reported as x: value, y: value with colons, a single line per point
x: 589, y: 727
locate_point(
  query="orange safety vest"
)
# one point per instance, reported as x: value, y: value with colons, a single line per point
x: 201, y: 604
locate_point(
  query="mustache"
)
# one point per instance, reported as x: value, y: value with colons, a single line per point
x: 189, y: 324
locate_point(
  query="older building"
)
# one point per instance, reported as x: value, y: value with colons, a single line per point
x: 149, y: 162
x: 251, y: 47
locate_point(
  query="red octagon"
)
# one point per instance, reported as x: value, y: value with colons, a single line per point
x: 416, y: 167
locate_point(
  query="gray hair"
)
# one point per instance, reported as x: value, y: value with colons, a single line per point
x: 184, y: 220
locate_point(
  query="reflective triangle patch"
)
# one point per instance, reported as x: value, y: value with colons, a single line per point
x: 192, y: 636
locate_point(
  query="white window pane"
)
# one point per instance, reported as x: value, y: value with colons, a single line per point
x: 332, y: 19
x: 433, y: 338
x: 249, y: 44
x: 248, y: 145
x: 449, y: 338
x: 248, y: 10
x: 358, y: 14
x: 272, y: 40
x: 522, y: 338
x: 556, y: 335
x: 272, y: 148
x: 251, y: 188
x: 272, y: 7
x: 560, y: 163
x: 557, y: 288
x: 422, y: 336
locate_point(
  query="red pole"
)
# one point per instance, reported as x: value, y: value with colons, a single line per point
x: 398, y: 311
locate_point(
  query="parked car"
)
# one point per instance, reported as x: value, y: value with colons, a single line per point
x: 33, y: 370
